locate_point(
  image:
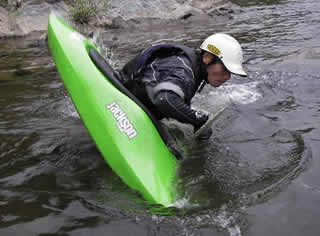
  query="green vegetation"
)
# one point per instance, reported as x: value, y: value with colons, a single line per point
x: 3, y: 3
x: 82, y: 10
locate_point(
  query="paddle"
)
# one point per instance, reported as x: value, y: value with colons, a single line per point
x: 209, y: 122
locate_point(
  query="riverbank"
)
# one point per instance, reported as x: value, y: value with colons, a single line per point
x: 22, y: 18
x: 258, y: 175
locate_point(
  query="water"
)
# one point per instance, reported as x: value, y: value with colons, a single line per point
x: 258, y: 175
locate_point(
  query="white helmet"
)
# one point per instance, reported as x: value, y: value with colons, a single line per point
x: 227, y: 49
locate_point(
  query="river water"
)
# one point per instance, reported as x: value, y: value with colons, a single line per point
x: 258, y: 175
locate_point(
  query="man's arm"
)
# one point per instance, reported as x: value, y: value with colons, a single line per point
x: 171, y: 105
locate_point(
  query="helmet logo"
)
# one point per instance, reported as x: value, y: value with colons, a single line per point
x: 214, y: 49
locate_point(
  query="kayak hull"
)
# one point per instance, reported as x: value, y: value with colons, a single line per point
x: 121, y: 129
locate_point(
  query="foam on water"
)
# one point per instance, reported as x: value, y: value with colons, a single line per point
x: 184, y: 203
x: 68, y: 109
x: 237, y: 93
x: 224, y: 218
x: 221, y: 220
x: 104, y: 50
x: 227, y: 222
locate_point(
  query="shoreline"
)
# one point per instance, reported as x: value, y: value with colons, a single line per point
x: 29, y: 19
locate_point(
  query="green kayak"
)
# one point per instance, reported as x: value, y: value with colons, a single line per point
x: 128, y: 137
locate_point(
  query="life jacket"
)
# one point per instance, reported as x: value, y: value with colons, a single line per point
x: 134, y: 68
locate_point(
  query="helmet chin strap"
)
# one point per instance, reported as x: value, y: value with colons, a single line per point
x: 205, y: 80
x: 203, y: 83
x: 204, y: 72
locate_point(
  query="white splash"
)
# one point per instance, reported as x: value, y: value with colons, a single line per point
x: 183, y: 204
x: 237, y: 93
x: 227, y: 222
x: 222, y: 219
x: 68, y: 109
x: 103, y: 49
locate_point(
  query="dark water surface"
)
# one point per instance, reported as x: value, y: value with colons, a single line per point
x: 258, y: 175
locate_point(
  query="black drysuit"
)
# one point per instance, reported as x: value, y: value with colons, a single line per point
x: 165, y: 78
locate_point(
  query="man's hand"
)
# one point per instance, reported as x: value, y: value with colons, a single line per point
x: 204, y: 131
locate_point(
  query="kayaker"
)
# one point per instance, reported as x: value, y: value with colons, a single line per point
x: 165, y: 77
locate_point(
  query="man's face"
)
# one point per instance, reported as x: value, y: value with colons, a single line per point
x: 217, y: 74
